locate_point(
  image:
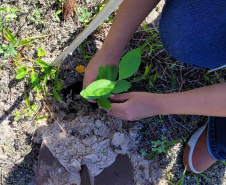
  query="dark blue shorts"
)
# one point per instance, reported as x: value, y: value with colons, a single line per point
x: 194, y: 32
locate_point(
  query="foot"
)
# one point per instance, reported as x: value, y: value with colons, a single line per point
x: 196, y: 155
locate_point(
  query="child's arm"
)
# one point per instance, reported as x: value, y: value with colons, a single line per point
x: 129, y: 16
x: 206, y: 101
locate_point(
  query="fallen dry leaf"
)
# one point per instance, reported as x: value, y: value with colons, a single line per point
x: 80, y: 69
x: 68, y: 8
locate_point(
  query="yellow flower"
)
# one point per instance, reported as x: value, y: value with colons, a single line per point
x: 80, y: 69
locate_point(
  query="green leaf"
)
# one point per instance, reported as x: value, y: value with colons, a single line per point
x: 59, y: 86
x: 17, y: 115
x: 56, y: 80
x: 147, y: 70
x: 42, y: 63
x: 56, y: 15
x: 107, y: 95
x: 158, y: 45
x: 104, y: 102
x: 21, y: 73
x: 205, y: 177
x: 196, y: 179
x: 152, y: 156
x: 98, y: 88
x: 121, y: 86
x: 100, y: 72
x: 56, y: 95
x: 35, y: 81
x: 9, y: 36
x: 26, y: 100
x: 182, y: 179
x: 129, y: 64
x: 58, y: 12
x: 41, y: 52
x: 42, y: 117
x: 173, y: 82
x: 107, y: 72
x: 170, y: 182
x: 44, y: 83
x: 12, y: 15
x: 34, y: 107
x: 172, y: 143
x: 139, y: 78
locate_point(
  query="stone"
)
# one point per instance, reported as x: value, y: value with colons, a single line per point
x: 118, y: 139
x: 104, y: 144
x: 74, y: 166
x: 91, y: 158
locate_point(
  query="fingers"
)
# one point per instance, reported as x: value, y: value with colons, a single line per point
x: 120, y: 97
x: 118, y: 110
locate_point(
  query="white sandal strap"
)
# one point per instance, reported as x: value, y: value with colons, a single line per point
x: 192, y: 142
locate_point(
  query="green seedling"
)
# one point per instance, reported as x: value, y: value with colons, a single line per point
x: 39, y: 75
x: 36, y: 18
x: 85, y: 57
x: 106, y: 83
x: 56, y: 15
x: 28, y: 112
x: 85, y: 16
x: 10, y: 15
x: 14, y: 43
x: 161, y: 147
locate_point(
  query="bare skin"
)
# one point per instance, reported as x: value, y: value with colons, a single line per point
x: 208, y: 101
x: 126, y: 22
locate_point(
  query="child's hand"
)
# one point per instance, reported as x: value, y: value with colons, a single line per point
x: 100, y: 59
x: 135, y: 105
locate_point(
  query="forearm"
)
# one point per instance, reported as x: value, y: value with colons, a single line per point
x: 207, y: 101
x: 128, y: 18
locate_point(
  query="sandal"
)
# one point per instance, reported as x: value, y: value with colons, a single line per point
x: 196, y: 155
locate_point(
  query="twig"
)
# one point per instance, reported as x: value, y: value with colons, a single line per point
x: 54, y: 117
x: 152, y: 129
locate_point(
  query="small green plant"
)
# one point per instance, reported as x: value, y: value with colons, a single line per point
x: 106, y: 83
x: 161, y: 147
x: 10, y: 15
x: 36, y: 18
x: 181, y: 181
x: 14, y: 43
x: 85, y: 16
x: 40, y: 75
x: 56, y: 15
x: 28, y: 112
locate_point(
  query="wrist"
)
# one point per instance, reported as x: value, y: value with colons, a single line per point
x: 111, y: 53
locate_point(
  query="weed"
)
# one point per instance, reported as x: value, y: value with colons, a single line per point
x: 10, y: 15
x: 36, y: 18
x: 85, y: 57
x: 161, y: 147
x: 84, y: 16
x: 56, y: 15
x: 181, y: 181
x: 39, y: 75
x: 14, y: 43
x: 105, y: 83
